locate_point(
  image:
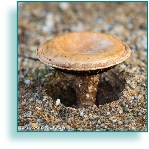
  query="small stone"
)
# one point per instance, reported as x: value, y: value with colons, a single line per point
x: 114, y: 120
x: 120, y: 122
x: 81, y: 113
x: 46, y: 105
x: 45, y: 98
x: 106, y: 127
x: 107, y: 79
x: 49, y: 24
x: 134, y: 69
x: 43, y: 79
x: 126, y: 125
x: 133, y: 84
x: 38, y: 108
x: 99, y: 20
x: 29, y: 113
x: 108, y: 113
x: 64, y: 5
x: 121, y: 111
x: 94, y: 116
x: 127, y: 87
x: 126, y: 122
x: 46, y: 128
x: 102, y: 125
x: 77, y: 27
x: 57, y: 102
x: 135, y: 97
x: 85, y: 116
x: 129, y: 117
x: 122, y: 66
x: 107, y: 27
x: 125, y: 109
x: 27, y: 81
x: 38, y: 121
x: 57, y: 126
x: 34, y: 125
x: 140, y: 96
x: 122, y: 103
x: 35, y: 95
x: 31, y: 99
x: 33, y: 48
x: 99, y: 122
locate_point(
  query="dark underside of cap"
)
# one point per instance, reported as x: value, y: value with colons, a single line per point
x: 85, y: 73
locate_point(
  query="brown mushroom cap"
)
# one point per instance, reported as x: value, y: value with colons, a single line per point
x: 83, y: 51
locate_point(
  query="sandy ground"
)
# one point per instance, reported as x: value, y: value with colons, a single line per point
x: 122, y: 99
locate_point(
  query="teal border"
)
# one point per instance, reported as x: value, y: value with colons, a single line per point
x: 82, y: 1
x: 131, y: 134
x: 147, y: 63
x: 17, y: 65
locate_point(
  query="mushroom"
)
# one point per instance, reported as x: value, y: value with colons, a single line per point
x: 84, y: 54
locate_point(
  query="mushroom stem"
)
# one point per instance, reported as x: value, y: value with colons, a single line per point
x: 88, y: 89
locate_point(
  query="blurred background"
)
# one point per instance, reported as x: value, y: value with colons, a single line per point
x: 39, y: 21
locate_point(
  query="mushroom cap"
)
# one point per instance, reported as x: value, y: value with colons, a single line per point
x: 83, y: 51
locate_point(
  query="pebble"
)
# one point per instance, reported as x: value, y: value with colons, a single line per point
x: 135, y: 97
x: 133, y: 84
x: 140, y: 96
x: 128, y: 81
x: 81, y: 113
x: 106, y: 127
x: 45, y: 98
x: 34, y: 125
x: 99, y: 122
x: 39, y: 108
x: 123, y: 66
x: 64, y: 5
x: 102, y: 125
x: 38, y: 121
x: 35, y: 95
x: 121, y: 111
x: 29, y: 113
x: 125, y: 109
x: 33, y: 48
x: 139, y: 113
x: 127, y: 87
x: 94, y: 116
x: 114, y: 120
x: 78, y: 27
x: 27, y: 81
x: 99, y: 20
x: 126, y: 125
x: 31, y: 99
x: 46, y: 127
x: 57, y: 102
x: 120, y: 122
x: 49, y: 23
x: 107, y: 79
